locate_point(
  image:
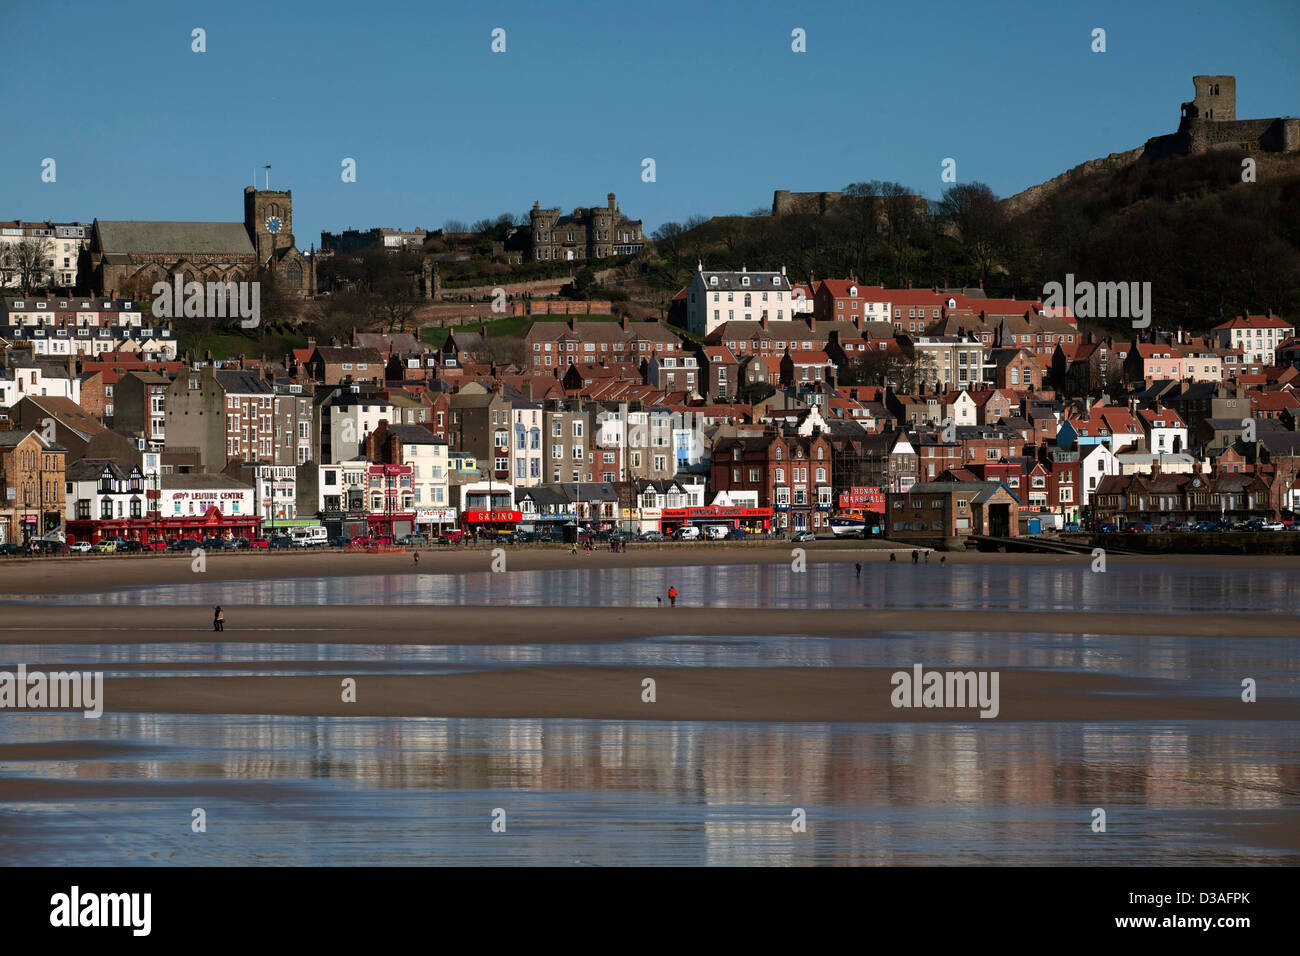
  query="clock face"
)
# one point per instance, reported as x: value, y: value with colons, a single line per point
x: 273, y: 225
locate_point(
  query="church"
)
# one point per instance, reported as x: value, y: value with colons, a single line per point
x: 125, y: 258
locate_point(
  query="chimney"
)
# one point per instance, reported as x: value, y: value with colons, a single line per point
x: 623, y: 323
x: 573, y: 324
x: 762, y: 321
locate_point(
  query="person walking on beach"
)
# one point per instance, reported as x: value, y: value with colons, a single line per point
x: 892, y: 556
x: 672, y: 596
x: 857, y: 567
x: 659, y: 602
x: 943, y: 558
x: 916, y: 557
x: 218, y: 619
x: 574, y: 548
x: 927, y: 557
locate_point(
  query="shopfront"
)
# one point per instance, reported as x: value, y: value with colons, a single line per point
x: 496, y: 521
x: 751, y: 520
x: 210, y: 524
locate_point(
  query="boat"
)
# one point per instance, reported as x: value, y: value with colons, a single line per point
x: 849, y: 523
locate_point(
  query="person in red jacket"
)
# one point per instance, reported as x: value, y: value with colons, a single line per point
x: 672, y: 596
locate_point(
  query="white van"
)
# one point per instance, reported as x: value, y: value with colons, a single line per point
x: 716, y: 532
x: 311, y: 536
x: 687, y: 532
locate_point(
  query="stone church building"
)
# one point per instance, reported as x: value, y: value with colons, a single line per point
x: 126, y: 258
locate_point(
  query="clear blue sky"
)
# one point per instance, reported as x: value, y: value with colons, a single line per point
x: 442, y: 128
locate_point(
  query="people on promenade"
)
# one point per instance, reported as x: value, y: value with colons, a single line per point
x: 218, y: 619
x: 672, y: 595
x: 916, y: 557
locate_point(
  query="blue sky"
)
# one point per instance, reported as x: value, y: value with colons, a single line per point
x: 441, y: 128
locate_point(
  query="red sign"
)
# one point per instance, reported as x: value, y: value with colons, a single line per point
x: 493, y: 516
x: 865, y: 498
x: 713, y: 511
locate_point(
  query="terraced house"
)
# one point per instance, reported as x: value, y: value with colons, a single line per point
x: 553, y: 344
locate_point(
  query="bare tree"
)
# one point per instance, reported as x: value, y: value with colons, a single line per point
x: 32, y: 259
x: 973, y: 210
x: 454, y: 225
x: 8, y: 265
x: 904, y: 218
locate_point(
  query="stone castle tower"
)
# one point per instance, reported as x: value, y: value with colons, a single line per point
x: 1216, y: 99
x: 1210, y: 122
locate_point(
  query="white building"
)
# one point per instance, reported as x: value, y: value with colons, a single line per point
x: 194, y: 494
x: 715, y: 298
x: 1256, y: 335
x: 1098, y: 463
x: 346, y: 419
x: 526, y: 425
x: 27, y: 377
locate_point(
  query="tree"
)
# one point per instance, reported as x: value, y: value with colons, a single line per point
x: 8, y: 265
x: 973, y: 211
x: 31, y: 260
x: 904, y: 216
x: 454, y: 225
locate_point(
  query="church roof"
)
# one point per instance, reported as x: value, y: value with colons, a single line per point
x: 230, y: 238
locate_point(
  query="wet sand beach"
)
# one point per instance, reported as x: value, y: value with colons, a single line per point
x: 1118, y: 681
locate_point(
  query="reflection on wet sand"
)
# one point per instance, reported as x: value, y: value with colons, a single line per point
x: 1136, y: 588
x: 407, y: 790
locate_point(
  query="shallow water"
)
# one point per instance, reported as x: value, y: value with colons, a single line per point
x: 1131, y: 588
x: 420, y: 791
x: 1199, y: 663
x: 317, y: 790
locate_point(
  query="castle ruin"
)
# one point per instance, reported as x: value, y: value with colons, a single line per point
x: 1210, y: 122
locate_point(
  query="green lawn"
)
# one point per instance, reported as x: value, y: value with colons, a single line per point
x: 228, y: 345
x: 512, y: 326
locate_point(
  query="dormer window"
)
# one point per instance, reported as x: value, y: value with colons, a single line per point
x: 713, y: 280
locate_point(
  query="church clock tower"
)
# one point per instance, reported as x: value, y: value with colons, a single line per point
x: 268, y: 217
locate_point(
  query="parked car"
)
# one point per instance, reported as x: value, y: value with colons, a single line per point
x: 1109, y: 527
x: 128, y: 546
x: 1071, y: 526
x: 340, y: 541
x: 1274, y: 526
x: 452, y: 536
x: 106, y: 546
x: 11, y: 549
x: 687, y: 532
x: 211, y: 544
x: 413, y: 541
x: 157, y: 544
x: 79, y: 547
x: 737, y: 534
x: 259, y: 544
x: 1137, y: 527
x: 235, y: 544
x: 281, y: 542
x: 524, y: 537
x: 651, y: 536
x: 804, y: 535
